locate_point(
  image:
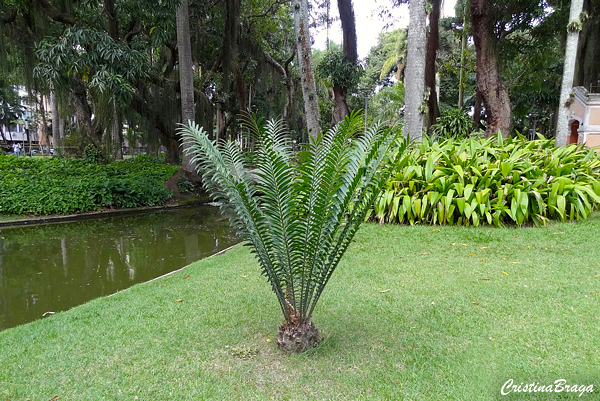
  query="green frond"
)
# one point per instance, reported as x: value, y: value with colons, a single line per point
x: 302, y: 210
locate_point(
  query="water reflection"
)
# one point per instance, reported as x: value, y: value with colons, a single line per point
x: 55, y: 267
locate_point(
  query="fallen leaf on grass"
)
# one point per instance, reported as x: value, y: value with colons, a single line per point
x: 464, y: 244
x: 267, y: 340
x: 483, y: 278
x: 504, y: 258
x: 424, y: 253
x: 559, y: 233
x: 476, y: 303
x: 472, y: 254
x: 484, y: 260
x: 485, y: 247
x: 505, y: 273
x: 516, y: 263
x: 54, y: 398
x: 186, y: 277
x: 597, y: 275
x: 436, y: 229
x: 179, y: 300
x: 432, y: 303
x: 243, y: 275
x: 596, y: 294
x: 385, y: 291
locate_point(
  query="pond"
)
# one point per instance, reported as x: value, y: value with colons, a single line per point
x: 50, y: 268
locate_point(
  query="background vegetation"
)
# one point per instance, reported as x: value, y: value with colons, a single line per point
x: 493, y: 181
x: 58, y: 185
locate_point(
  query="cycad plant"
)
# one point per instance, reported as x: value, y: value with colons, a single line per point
x: 299, y: 211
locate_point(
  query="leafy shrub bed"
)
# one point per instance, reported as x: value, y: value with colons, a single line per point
x: 491, y: 181
x: 52, y: 185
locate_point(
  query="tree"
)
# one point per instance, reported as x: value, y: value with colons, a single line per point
x: 10, y: 105
x: 573, y: 28
x: 299, y: 216
x: 304, y: 54
x: 587, y: 69
x: 415, y: 70
x: 341, y: 87
x: 495, y: 95
x: 430, y: 63
x: 186, y: 77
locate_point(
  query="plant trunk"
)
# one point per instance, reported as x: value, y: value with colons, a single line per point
x: 116, y: 133
x: 432, y: 44
x: 587, y: 69
x: 463, y: 48
x: 340, y: 106
x: 562, y: 124
x: 56, y: 137
x: 304, y: 52
x: 297, y: 338
x: 415, y: 70
x: 477, y: 109
x: 83, y: 115
x: 495, y: 95
x: 171, y: 150
x: 186, y: 78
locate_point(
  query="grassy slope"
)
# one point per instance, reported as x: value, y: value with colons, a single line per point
x: 406, y: 316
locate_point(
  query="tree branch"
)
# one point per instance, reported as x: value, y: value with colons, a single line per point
x: 55, y: 14
x: 269, y: 9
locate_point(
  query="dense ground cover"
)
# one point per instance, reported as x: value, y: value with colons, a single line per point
x: 59, y: 185
x: 493, y: 181
x: 413, y: 313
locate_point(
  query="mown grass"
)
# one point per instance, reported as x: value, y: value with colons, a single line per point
x: 413, y: 313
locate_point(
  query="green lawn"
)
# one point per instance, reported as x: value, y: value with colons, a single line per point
x: 413, y: 313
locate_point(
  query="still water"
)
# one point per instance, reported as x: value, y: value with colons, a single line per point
x: 53, y: 267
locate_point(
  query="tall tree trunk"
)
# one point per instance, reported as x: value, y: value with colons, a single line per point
x: 495, y: 95
x: 56, y: 137
x: 587, y: 69
x: 562, y: 124
x: 432, y: 44
x: 171, y: 150
x: 309, y: 87
x: 116, y: 133
x: 83, y: 114
x: 415, y: 70
x: 463, y: 48
x: 461, y: 79
x: 477, y: 109
x: 289, y: 83
x: 186, y: 78
x: 340, y: 105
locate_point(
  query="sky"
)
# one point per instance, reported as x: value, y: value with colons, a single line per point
x: 368, y: 23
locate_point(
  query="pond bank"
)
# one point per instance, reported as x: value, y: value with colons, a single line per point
x: 29, y: 220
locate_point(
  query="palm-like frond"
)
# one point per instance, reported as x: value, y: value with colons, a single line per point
x: 303, y: 209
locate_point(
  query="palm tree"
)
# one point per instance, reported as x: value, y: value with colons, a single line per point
x: 300, y: 211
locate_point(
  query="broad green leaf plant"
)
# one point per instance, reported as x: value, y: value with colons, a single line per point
x: 492, y: 181
x: 299, y: 211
